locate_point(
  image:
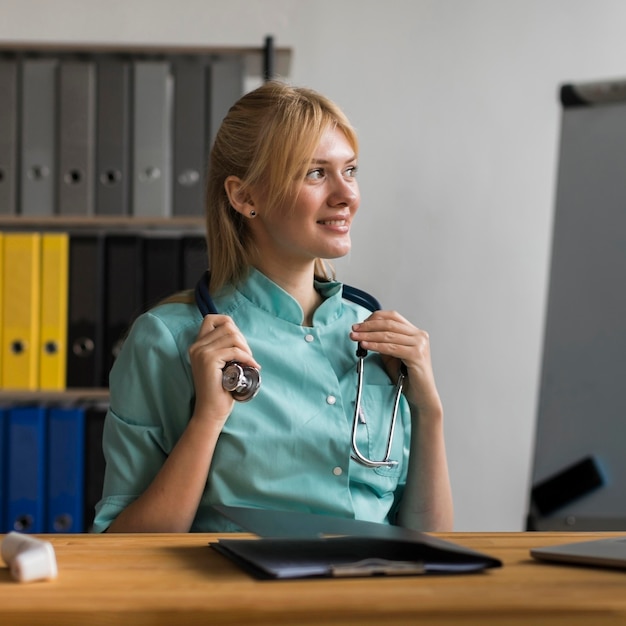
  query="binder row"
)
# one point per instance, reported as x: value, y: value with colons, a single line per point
x: 68, y: 299
x: 107, y: 134
x: 52, y: 468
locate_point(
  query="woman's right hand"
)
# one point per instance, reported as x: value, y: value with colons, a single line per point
x: 219, y: 341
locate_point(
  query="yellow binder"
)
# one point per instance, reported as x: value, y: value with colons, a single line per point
x: 53, y: 315
x: 1, y: 300
x: 20, y: 310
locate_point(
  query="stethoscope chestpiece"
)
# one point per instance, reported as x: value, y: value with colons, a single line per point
x: 242, y: 381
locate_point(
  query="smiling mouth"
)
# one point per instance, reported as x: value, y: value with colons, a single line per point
x: 333, y: 222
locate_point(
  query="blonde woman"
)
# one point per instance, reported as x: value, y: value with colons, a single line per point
x: 282, y: 194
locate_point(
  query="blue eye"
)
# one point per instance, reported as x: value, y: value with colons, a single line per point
x: 352, y: 171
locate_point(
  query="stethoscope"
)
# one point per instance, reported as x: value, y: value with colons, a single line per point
x: 244, y: 382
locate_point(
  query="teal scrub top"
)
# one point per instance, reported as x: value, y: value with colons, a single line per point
x: 286, y: 449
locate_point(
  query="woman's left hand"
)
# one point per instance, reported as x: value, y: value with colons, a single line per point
x: 396, y: 339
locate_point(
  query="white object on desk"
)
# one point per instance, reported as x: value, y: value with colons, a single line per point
x: 29, y: 558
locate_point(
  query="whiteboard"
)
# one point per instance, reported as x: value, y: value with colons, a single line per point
x: 582, y: 401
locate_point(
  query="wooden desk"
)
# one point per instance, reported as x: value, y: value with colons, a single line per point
x: 178, y: 579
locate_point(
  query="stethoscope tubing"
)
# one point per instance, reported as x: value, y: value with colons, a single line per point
x: 207, y: 306
x: 250, y: 384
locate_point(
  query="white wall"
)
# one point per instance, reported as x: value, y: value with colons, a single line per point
x: 456, y: 104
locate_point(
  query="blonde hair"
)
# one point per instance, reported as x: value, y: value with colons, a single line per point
x: 267, y: 140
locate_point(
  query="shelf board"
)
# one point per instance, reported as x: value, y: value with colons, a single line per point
x: 252, y: 54
x: 44, y: 397
x: 7, y: 45
x: 98, y: 222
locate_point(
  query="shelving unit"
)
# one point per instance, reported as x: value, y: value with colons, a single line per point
x: 73, y: 206
x: 257, y: 64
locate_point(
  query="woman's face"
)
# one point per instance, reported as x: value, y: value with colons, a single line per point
x: 317, y: 223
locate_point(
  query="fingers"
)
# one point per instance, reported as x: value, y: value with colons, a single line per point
x: 394, y: 337
x: 221, y: 341
x: 389, y: 333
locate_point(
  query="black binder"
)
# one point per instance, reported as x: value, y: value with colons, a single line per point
x: 162, y: 273
x: 85, y: 311
x: 94, y: 461
x: 194, y: 260
x: 122, y: 293
x: 305, y: 545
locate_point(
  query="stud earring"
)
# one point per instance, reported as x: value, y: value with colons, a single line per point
x: 253, y: 213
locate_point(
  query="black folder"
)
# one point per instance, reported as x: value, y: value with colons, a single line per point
x: 94, y: 461
x: 85, y: 311
x: 305, y: 545
x: 194, y: 260
x: 162, y: 267
x: 122, y: 293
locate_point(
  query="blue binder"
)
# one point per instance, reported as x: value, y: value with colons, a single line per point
x: 3, y: 456
x: 66, y: 469
x: 25, y: 469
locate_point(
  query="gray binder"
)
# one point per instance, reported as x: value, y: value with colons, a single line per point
x: 38, y: 138
x: 152, y: 94
x: 226, y: 77
x: 76, y: 137
x: 189, y: 136
x: 113, y: 137
x: 8, y: 137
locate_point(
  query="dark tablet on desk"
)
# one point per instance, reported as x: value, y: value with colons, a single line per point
x: 609, y: 552
x: 296, y: 544
x: 346, y: 556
